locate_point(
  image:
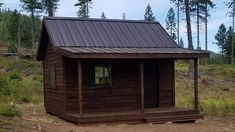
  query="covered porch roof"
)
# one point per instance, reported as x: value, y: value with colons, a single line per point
x: 131, y: 53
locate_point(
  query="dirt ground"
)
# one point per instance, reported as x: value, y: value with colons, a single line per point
x: 34, y: 119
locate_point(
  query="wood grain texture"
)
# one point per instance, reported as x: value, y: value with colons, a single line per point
x: 166, y: 68
x: 53, y: 97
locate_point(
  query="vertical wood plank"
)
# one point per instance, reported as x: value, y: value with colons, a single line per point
x: 196, y: 84
x: 173, y: 83
x: 80, y: 88
x: 64, y: 86
x: 142, y: 86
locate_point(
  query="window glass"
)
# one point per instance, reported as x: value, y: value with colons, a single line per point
x: 103, y: 75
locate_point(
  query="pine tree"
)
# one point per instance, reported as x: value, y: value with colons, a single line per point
x: 103, y: 16
x: 51, y: 6
x: 208, y: 4
x: 181, y: 43
x: 12, y: 27
x: 179, y: 5
x: 231, y: 5
x: 171, y: 23
x: 228, y: 45
x: 149, y: 16
x: 221, y: 37
x: 84, y: 6
x: 34, y: 7
x: 1, y: 3
x: 189, y: 34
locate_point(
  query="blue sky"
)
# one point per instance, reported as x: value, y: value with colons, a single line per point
x: 135, y: 9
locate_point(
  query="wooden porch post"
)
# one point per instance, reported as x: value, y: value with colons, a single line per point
x: 142, y: 87
x: 196, y: 84
x: 80, y: 88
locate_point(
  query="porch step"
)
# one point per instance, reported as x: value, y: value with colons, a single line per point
x: 175, y: 118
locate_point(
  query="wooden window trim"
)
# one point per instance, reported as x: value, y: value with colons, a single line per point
x: 105, y: 85
x: 52, y: 78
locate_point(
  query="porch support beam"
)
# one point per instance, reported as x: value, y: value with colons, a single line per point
x: 196, y: 84
x: 80, y: 88
x: 142, y: 87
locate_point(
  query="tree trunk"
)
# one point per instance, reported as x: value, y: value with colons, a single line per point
x: 87, y: 9
x: 50, y: 8
x: 18, y: 35
x: 206, y: 15
x: 190, y: 41
x: 233, y: 33
x: 32, y: 29
x: 198, y: 37
x: 178, y: 22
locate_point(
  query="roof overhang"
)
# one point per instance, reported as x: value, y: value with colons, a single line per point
x: 130, y: 53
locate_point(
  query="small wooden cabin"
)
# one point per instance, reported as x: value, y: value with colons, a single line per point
x: 98, y: 70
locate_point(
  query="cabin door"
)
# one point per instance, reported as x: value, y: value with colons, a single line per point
x: 150, y: 84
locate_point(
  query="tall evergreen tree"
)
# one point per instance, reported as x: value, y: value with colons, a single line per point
x: 199, y: 9
x: 220, y: 38
x: 1, y: 3
x: 181, y: 43
x: 231, y: 5
x: 12, y: 27
x: 103, y: 15
x: 171, y: 23
x: 179, y: 5
x: 208, y: 5
x: 189, y: 34
x: 149, y: 16
x: 228, y: 45
x: 34, y: 7
x: 84, y: 6
x: 51, y: 6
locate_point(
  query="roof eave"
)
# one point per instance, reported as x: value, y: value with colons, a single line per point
x: 133, y: 55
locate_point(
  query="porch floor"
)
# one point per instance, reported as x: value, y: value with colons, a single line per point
x: 154, y: 115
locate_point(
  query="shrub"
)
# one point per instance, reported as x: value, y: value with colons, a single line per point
x: 15, y: 76
x: 4, y: 86
x: 12, y: 48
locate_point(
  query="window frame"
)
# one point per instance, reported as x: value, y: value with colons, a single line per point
x: 106, y: 83
x: 52, y: 76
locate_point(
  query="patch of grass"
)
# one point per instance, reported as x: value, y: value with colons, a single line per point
x: 216, y: 89
x: 9, y: 110
x: 220, y: 107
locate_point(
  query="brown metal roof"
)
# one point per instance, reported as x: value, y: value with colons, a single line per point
x: 77, y: 32
x: 81, y: 52
x: 79, y: 36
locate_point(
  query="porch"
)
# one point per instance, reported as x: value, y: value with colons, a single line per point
x: 155, y: 115
x: 133, y: 104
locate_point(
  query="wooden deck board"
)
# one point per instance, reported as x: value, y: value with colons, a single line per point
x: 150, y: 115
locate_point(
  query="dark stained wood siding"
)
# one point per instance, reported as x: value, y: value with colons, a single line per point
x: 71, y: 83
x: 166, y: 83
x: 54, y: 97
x: 151, y: 84
x: 121, y: 96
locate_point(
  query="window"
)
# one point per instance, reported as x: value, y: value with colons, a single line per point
x: 103, y: 75
x: 52, y: 76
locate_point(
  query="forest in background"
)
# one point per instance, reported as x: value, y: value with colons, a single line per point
x: 15, y: 29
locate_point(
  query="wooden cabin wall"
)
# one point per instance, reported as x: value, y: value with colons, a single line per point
x: 53, y: 97
x: 71, y: 83
x: 166, y: 83
x: 121, y: 96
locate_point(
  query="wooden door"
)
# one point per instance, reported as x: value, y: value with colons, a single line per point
x: 150, y: 84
